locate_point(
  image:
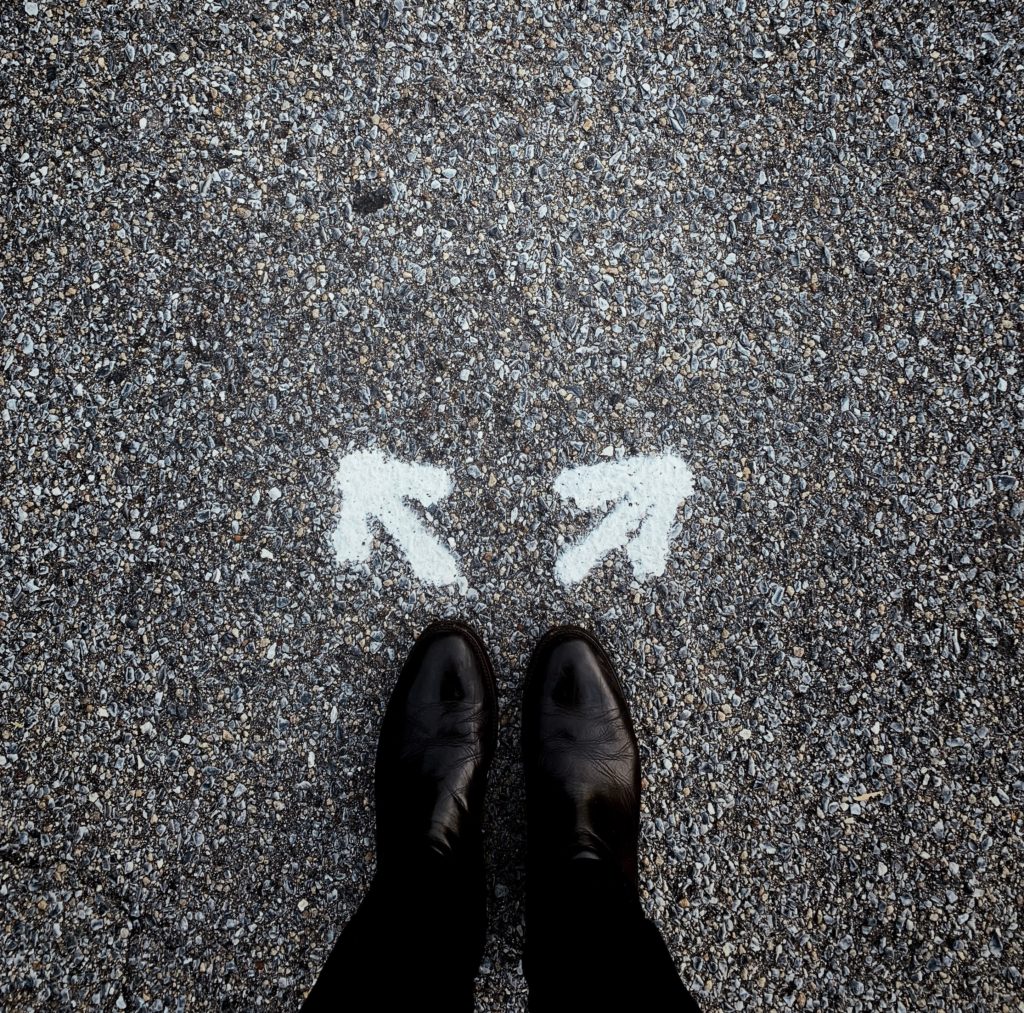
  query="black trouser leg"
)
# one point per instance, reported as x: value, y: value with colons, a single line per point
x: 414, y: 943
x: 590, y: 948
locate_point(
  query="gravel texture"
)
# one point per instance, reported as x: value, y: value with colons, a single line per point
x: 780, y: 239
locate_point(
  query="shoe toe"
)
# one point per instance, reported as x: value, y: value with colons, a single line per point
x: 576, y: 679
x: 449, y: 672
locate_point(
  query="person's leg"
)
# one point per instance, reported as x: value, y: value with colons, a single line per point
x: 416, y: 940
x: 588, y: 945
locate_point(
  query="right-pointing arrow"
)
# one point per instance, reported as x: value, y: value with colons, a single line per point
x: 647, y: 492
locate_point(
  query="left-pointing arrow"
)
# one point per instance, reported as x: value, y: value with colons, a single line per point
x: 375, y: 486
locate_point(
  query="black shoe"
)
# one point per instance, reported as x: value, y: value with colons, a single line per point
x: 417, y: 938
x: 581, y: 760
x: 436, y: 743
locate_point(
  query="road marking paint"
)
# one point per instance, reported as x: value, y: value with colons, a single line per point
x: 373, y: 485
x: 647, y: 492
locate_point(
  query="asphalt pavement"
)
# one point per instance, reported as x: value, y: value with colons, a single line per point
x: 779, y: 242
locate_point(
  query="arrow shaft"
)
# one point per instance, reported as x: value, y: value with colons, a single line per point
x: 430, y: 560
x: 612, y: 533
x: 648, y: 548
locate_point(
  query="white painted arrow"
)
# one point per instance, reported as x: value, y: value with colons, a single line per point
x: 647, y: 492
x: 373, y: 485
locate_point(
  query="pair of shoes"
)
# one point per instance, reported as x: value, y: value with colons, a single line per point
x: 579, y: 753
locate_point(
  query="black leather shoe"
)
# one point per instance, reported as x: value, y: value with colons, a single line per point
x: 580, y: 757
x: 436, y: 743
x: 417, y: 938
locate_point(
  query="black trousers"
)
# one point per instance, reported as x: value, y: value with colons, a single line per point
x: 416, y: 942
